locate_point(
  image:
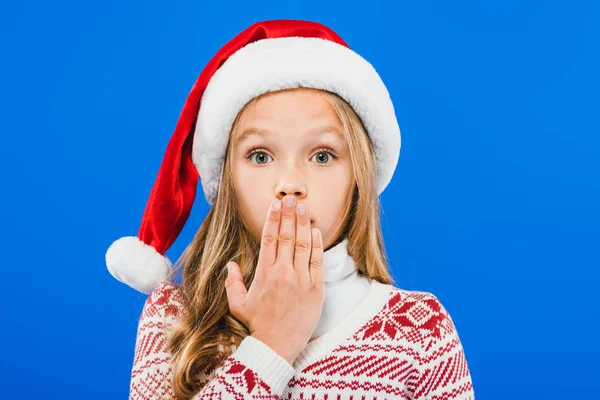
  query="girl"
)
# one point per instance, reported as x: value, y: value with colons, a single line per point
x: 294, y: 137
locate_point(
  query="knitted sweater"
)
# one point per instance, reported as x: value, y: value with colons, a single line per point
x: 396, y: 344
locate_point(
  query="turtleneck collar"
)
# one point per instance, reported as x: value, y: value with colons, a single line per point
x: 337, y: 263
x: 344, y: 287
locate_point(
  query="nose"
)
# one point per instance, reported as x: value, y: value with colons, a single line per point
x: 295, y: 194
x: 299, y: 197
x: 292, y: 188
x: 291, y: 182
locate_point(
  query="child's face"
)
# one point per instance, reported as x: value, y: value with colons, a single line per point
x: 298, y: 128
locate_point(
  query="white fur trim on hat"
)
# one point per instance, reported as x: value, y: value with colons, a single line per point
x: 137, y: 264
x: 284, y: 63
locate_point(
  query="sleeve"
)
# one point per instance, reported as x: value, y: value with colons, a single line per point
x: 443, y: 370
x: 252, y: 371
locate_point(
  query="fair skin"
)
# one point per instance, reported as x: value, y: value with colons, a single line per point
x: 284, y: 302
x: 298, y: 127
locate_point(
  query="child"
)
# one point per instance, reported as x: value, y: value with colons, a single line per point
x: 284, y: 111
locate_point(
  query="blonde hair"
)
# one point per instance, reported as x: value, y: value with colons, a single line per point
x: 207, y: 333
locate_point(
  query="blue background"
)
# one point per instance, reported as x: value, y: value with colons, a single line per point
x: 493, y: 206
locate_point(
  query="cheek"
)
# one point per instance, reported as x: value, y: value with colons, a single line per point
x: 253, y: 216
x: 245, y: 182
x: 252, y: 207
x: 329, y: 208
x: 334, y: 188
x: 331, y: 201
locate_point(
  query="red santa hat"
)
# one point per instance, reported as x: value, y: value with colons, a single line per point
x: 265, y: 57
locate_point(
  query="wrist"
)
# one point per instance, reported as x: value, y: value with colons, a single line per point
x: 284, y: 351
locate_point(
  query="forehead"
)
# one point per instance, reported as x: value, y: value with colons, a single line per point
x: 304, y: 111
x: 331, y: 132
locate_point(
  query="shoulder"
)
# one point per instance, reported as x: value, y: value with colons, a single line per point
x: 411, y: 315
x: 166, y: 300
x: 422, y: 310
x: 152, y: 371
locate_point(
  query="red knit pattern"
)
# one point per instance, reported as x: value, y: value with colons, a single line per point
x: 409, y: 350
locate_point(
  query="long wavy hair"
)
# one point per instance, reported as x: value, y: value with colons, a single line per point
x: 207, y: 333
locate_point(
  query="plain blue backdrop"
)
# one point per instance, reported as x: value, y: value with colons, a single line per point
x: 493, y: 206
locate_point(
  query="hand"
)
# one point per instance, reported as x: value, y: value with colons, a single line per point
x: 285, y: 300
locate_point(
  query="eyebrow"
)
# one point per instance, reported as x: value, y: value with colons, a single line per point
x: 253, y: 132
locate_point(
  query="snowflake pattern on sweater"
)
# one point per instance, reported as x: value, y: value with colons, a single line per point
x: 398, y: 344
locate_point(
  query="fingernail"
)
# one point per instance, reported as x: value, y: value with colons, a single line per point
x: 315, y: 233
x: 301, y: 209
x: 228, y: 268
x: 290, y: 200
x: 276, y: 205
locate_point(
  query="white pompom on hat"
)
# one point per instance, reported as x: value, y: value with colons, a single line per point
x: 265, y: 57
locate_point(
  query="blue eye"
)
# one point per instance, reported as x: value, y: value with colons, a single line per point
x: 255, y: 152
x: 262, y: 156
x: 328, y: 153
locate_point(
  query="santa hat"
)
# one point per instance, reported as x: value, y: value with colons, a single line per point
x: 265, y: 57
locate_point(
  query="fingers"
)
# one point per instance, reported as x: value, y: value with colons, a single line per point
x: 268, y: 247
x: 303, y: 244
x: 315, y: 267
x: 236, y: 290
x: 287, y: 240
x: 287, y: 232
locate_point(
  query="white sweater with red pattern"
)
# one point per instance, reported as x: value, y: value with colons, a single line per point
x: 395, y: 344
